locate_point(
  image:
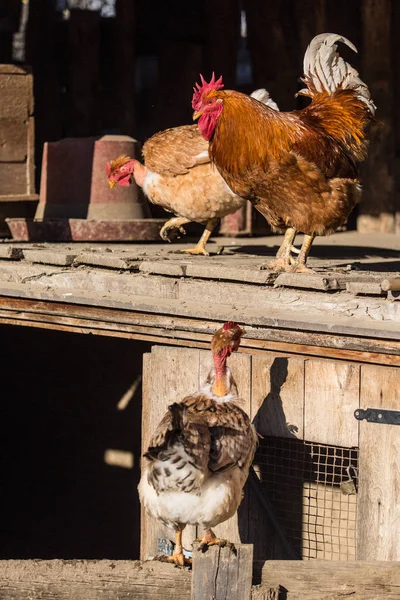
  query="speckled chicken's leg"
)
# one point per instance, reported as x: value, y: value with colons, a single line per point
x: 210, y: 539
x: 178, y: 557
x: 300, y: 266
x: 284, y: 258
x: 175, y: 223
x: 200, y: 247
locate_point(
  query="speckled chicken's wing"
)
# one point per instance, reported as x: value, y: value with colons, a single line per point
x: 195, y: 436
x: 175, y: 151
x: 233, y: 439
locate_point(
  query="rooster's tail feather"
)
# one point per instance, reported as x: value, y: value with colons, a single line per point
x: 326, y: 71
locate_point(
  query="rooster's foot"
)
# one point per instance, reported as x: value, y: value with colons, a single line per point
x: 195, y: 250
x: 178, y: 559
x: 164, y: 231
x: 210, y: 539
x: 300, y: 268
x: 278, y: 265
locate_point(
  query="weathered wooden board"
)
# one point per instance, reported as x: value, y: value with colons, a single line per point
x: 333, y: 580
x: 379, y: 468
x: 222, y: 574
x: 277, y: 395
x: 13, y: 177
x: 169, y: 375
x: 15, y: 93
x: 91, y: 580
x: 331, y: 397
x: 13, y: 140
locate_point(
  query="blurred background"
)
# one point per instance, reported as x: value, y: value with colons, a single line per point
x: 128, y: 66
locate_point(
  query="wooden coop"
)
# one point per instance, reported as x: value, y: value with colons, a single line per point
x: 319, y: 351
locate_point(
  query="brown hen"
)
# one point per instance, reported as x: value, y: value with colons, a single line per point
x: 178, y: 175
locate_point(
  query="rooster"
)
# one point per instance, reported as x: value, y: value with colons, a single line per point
x: 178, y: 175
x: 299, y: 168
x: 199, y: 456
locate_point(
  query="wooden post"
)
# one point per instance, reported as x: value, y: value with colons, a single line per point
x: 222, y: 573
x: 377, y: 210
x: 41, y: 56
x: 124, y: 64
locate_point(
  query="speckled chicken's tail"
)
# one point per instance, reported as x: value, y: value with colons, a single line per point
x: 326, y: 71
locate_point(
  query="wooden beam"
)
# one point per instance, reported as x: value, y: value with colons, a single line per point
x: 222, y: 574
x: 333, y: 580
x: 90, y: 580
x: 182, y: 331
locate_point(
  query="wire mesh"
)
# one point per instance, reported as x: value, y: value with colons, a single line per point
x: 313, y: 491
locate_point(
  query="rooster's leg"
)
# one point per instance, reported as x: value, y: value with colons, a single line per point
x: 175, y: 223
x: 200, y: 247
x: 300, y: 266
x: 284, y: 258
x: 210, y: 539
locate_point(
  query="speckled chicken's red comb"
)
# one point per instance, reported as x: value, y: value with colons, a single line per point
x: 229, y: 325
x: 200, y: 90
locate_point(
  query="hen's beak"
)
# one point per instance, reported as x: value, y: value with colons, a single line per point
x: 111, y: 184
x: 196, y: 115
x: 243, y: 332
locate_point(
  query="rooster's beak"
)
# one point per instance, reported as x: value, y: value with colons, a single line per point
x: 111, y: 184
x: 196, y: 115
x: 243, y: 332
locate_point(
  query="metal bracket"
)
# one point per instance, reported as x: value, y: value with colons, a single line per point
x: 378, y: 415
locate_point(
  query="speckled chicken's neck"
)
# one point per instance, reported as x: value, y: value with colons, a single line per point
x: 220, y: 387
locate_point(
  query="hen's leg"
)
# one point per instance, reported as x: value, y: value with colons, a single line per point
x: 210, y: 539
x: 300, y: 266
x: 284, y: 257
x: 175, y: 223
x: 200, y: 247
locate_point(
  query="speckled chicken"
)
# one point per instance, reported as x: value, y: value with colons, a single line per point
x: 178, y: 175
x: 199, y: 456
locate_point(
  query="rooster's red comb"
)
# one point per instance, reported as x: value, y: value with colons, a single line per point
x: 205, y: 87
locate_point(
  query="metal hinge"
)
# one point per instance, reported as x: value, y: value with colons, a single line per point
x: 377, y: 415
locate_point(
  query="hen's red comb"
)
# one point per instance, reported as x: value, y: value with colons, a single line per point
x: 205, y: 87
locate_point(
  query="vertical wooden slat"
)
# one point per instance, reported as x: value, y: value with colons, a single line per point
x: 277, y: 396
x: 331, y: 397
x: 379, y: 468
x: 173, y: 374
x: 234, y: 529
x: 146, y: 411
